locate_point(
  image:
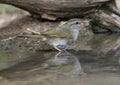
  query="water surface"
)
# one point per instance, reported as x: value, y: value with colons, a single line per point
x: 22, y: 65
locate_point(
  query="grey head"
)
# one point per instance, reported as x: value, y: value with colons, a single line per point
x: 75, y: 28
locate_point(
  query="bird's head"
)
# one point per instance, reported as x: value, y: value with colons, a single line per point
x: 75, y: 27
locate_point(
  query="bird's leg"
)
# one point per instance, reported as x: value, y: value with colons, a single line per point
x: 57, y: 48
x: 58, y: 53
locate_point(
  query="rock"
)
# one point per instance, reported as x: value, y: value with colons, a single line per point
x: 117, y: 2
x: 101, y: 43
x: 57, y: 8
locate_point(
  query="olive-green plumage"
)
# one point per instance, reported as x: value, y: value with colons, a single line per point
x: 61, y: 35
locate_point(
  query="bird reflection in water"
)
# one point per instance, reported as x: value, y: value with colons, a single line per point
x: 67, y: 63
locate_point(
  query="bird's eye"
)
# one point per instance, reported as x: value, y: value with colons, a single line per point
x: 76, y: 23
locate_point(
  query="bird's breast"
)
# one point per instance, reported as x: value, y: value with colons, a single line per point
x: 57, y: 41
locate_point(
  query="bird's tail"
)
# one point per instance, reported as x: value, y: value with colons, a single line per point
x: 32, y: 36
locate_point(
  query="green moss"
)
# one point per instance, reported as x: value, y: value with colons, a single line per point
x: 7, y: 8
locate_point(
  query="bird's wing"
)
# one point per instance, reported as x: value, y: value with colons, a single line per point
x: 60, y: 32
x: 31, y: 36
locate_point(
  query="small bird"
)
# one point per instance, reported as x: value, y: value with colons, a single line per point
x: 62, y: 36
